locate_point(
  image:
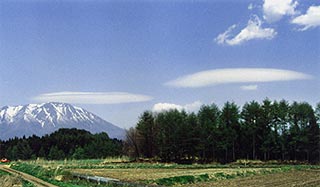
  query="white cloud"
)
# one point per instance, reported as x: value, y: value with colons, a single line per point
x: 160, y: 107
x: 253, y: 30
x: 274, y: 10
x: 250, y: 6
x: 92, y: 97
x: 193, y: 106
x: 224, y: 37
x: 249, y: 87
x: 236, y: 75
x: 310, y: 19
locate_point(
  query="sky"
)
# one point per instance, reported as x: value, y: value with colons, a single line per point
x: 120, y: 58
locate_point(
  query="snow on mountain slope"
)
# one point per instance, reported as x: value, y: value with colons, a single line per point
x: 41, y: 119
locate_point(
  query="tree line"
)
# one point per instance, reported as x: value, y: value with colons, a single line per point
x: 270, y: 130
x: 64, y: 143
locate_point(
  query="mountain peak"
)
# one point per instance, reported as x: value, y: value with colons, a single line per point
x: 44, y: 118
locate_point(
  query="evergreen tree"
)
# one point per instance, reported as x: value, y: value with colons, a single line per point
x: 192, y: 142
x: 281, y: 127
x: 169, y: 125
x: 79, y: 153
x: 267, y: 136
x: 251, y: 114
x: 301, y: 118
x: 132, y: 143
x: 229, y: 129
x: 55, y: 153
x: 208, y: 117
x: 146, y: 128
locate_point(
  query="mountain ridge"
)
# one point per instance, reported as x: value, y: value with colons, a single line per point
x: 45, y: 118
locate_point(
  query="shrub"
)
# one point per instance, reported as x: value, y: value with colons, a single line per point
x: 186, y: 179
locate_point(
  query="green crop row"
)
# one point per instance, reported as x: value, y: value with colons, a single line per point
x: 125, y: 163
x: 189, y: 179
x: 27, y: 184
x: 186, y: 179
x: 3, y: 173
x: 48, y: 174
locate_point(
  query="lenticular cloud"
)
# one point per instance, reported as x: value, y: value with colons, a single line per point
x: 237, y: 75
x: 93, y: 97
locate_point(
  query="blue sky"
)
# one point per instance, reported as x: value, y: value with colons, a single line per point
x: 119, y: 58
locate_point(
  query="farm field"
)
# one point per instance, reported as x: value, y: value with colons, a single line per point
x: 7, y: 180
x: 182, y: 175
x: 308, y: 178
x: 136, y: 174
x: 216, y: 176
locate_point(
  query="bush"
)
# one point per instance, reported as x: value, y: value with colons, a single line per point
x: 186, y: 179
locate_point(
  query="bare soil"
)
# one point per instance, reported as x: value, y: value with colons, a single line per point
x: 134, y: 175
x: 310, y: 178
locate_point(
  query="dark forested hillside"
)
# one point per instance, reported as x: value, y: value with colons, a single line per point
x: 267, y: 131
x: 64, y: 143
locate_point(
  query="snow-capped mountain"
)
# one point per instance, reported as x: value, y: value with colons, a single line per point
x: 41, y: 119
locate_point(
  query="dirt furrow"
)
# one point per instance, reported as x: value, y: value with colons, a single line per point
x: 36, y: 181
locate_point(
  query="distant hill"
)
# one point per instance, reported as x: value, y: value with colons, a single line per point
x: 41, y: 119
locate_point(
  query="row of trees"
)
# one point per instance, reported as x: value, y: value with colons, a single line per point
x: 64, y: 143
x: 266, y: 131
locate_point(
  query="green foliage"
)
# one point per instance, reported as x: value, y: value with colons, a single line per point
x: 78, y: 153
x: 55, y: 153
x: 187, y: 179
x: 48, y: 174
x: 170, y: 140
x: 18, y: 179
x: 228, y: 130
x: 147, y: 132
x: 208, y: 119
x: 47, y: 170
x: 64, y: 143
x: 222, y: 175
x: 270, y: 130
x: 3, y: 173
x: 27, y: 184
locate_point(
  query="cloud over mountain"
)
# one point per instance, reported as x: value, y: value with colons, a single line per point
x: 92, y: 97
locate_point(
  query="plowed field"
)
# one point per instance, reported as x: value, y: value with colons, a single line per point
x: 309, y: 178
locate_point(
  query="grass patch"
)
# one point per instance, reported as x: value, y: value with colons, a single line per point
x: 222, y: 176
x: 27, y: 184
x: 126, y: 163
x: 49, y: 174
x: 187, y: 179
x: 24, y: 182
x: 190, y: 179
x: 121, y: 159
x: 11, y: 180
x: 39, y: 172
x: 3, y: 173
x: 166, y: 174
